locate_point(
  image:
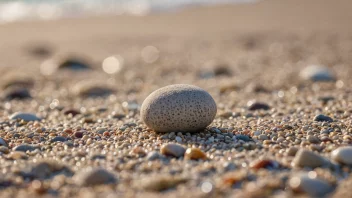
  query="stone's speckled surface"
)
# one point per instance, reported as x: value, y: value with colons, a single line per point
x: 178, y: 107
x: 343, y: 155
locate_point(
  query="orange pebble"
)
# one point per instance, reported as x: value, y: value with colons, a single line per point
x: 195, y: 154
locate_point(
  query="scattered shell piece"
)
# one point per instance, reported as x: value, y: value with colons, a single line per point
x: 178, y: 108
x: 195, y: 154
x: 174, y: 150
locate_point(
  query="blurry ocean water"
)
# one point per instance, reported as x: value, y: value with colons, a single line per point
x: 14, y: 10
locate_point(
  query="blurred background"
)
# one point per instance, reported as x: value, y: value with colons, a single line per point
x: 12, y: 10
x: 94, y: 47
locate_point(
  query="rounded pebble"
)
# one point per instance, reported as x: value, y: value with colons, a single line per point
x: 317, y: 73
x: 253, y: 105
x: 24, y: 116
x: 306, y: 158
x: 25, y: 148
x: 323, y: 118
x: 309, y: 184
x: 195, y: 154
x: 178, y: 107
x: 173, y: 150
x: 342, y: 155
x: 18, y: 93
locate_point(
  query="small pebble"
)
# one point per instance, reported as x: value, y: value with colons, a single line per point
x: 18, y: 93
x: 25, y: 148
x: 317, y: 73
x: 178, y: 139
x: 292, y: 151
x: 323, y: 118
x: 75, y: 64
x: 24, y: 116
x: 253, y: 105
x: 306, y: 158
x: 3, y: 142
x: 178, y: 108
x: 46, y: 168
x: 309, y: 184
x: 267, y: 164
x: 73, y: 112
x: 92, y: 89
x: 263, y: 137
x: 174, y: 150
x: 161, y: 183
x: 195, y: 154
x: 94, y: 176
x: 78, y: 134
x: 17, y: 155
x: 343, y: 155
x: 313, y: 139
x: 229, y: 166
x: 59, y: 139
x: 154, y: 155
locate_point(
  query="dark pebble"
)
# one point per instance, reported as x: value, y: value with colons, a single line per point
x: 78, y: 134
x: 59, y: 139
x: 17, y: 93
x: 74, y: 64
x: 40, y: 51
x: 25, y: 148
x: 252, y: 106
x: 244, y: 138
x: 323, y: 118
x: 73, y: 112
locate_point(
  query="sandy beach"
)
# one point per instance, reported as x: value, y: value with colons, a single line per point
x: 276, y: 132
